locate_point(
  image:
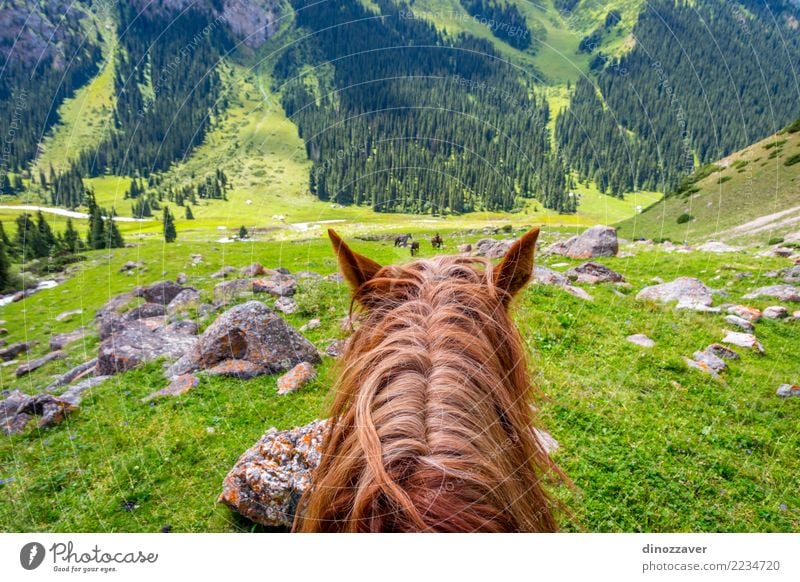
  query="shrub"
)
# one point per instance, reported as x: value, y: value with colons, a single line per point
x: 792, y: 160
x: 684, y: 218
x: 312, y: 300
x: 776, y: 240
x: 794, y: 127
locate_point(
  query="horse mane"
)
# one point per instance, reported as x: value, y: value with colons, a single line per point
x: 431, y: 425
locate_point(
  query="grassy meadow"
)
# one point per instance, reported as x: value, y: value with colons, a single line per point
x: 650, y: 444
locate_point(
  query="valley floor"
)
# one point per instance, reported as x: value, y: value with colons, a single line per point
x: 651, y: 444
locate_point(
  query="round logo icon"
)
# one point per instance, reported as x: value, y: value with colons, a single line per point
x: 31, y: 555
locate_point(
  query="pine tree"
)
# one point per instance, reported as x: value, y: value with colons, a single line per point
x: 5, y: 268
x: 96, y: 239
x: 189, y: 215
x: 26, y: 239
x: 72, y: 240
x: 115, y: 240
x: 243, y: 234
x: 4, y: 237
x: 169, y: 226
x: 46, y: 240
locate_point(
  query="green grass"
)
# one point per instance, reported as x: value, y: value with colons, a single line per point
x: 746, y: 185
x: 650, y: 444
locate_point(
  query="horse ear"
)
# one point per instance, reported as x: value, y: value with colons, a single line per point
x: 356, y: 269
x: 516, y: 268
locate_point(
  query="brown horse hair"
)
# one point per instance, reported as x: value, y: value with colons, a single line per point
x: 431, y: 424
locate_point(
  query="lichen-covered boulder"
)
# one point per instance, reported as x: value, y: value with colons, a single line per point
x: 268, y: 480
x: 690, y: 293
x: 251, y: 332
x: 138, y: 342
x: 597, y: 241
x: 788, y: 293
x: 592, y: 273
x: 161, y: 292
x: 296, y: 378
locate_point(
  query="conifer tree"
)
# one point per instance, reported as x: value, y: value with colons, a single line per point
x: 169, y: 226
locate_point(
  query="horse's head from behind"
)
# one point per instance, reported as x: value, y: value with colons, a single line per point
x: 431, y: 423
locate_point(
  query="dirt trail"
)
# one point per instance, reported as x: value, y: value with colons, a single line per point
x: 772, y: 221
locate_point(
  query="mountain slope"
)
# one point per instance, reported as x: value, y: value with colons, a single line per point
x: 751, y: 195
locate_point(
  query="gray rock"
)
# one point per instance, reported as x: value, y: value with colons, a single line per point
x: 17, y: 409
x: 180, y: 280
x: 740, y: 323
x: 335, y: 349
x: 138, y: 343
x: 79, y: 371
x: 75, y: 393
x: 751, y: 314
x: 491, y: 248
x: 32, y: 365
x: 267, y: 481
x: 184, y: 301
x: 788, y: 390
x: 251, y: 332
x: 642, y: 340
x: 776, y: 312
x: 743, y: 340
x: 12, y: 418
x: 597, y: 241
x: 792, y: 274
x: 60, y: 340
x: 788, y: 293
x: 467, y: 248
x: 722, y: 352
x: 690, y: 293
x: 68, y: 314
x: 279, y: 285
x: 241, y: 369
x: 223, y: 272
x: 177, y: 386
x: 9, y: 353
x: 145, y: 311
x: 253, y: 270
x: 130, y: 266
x: 578, y: 292
x: 181, y: 327
x: 592, y: 273
x: 710, y: 361
x: 546, y: 276
x: 312, y: 324
x: 286, y: 305
x: 161, y: 292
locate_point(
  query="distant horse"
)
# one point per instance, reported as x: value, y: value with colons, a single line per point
x: 414, y: 249
x: 431, y: 427
x: 437, y: 241
x: 402, y: 240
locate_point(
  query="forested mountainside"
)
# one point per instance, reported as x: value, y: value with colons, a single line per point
x: 425, y: 106
x: 167, y: 90
x: 397, y: 116
x: 704, y: 79
x: 47, y: 51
